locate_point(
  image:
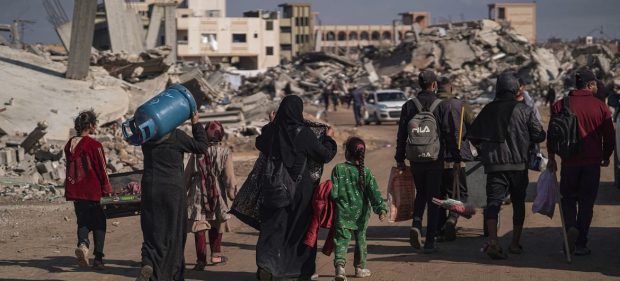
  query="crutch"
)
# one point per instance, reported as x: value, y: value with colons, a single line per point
x: 569, y: 258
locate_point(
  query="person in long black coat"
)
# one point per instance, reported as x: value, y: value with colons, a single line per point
x: 280, y: 252
x: 164, y: 212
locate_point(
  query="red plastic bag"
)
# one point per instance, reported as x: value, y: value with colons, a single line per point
x: 546, y: 194
x: 401, y: 193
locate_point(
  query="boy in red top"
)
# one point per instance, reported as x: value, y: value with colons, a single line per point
x: 580, y: 175
x: 85, y: 184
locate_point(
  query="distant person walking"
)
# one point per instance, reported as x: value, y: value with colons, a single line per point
x: 503, y: 132
x: 86, y: 182
x: 580, y: 175
x: 358, y: 105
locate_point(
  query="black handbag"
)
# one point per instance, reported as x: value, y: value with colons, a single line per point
x: 277, y: 185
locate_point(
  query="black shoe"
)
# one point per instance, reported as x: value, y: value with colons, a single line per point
x: 449, y: 231
x: 572, y: 234
x: 429, y: 247
x: 582, y: 251
x: 415, y: 238
x: 98, y: 264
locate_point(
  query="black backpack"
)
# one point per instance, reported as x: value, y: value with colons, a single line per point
x: 563, y: 136
x: 276, y: 184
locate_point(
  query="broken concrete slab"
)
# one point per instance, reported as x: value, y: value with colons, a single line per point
x: 33, y: 138
x: 456, y: 53
x: 125, y: 33
x: 152, y: 35
x: 36, y: 85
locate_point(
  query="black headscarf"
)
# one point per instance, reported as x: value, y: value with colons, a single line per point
x: 288, y: 119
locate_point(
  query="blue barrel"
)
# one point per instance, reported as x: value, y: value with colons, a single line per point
x: 160, y: 115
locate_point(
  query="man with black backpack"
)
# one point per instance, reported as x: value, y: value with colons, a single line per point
x: 503, y: 132
x: 582, y: 133
x: 419, y: 140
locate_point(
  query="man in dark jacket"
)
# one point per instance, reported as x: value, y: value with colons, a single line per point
x: 427, y: 176
x: 580, y: 175
x: 456, y: 125
x: 503, y: 133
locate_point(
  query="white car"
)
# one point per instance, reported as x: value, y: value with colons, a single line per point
x: 384, y: 106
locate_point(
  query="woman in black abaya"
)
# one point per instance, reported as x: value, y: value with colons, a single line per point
x: 164, y: 212
x: 280, y: 252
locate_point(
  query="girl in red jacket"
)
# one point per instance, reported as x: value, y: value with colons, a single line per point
x: 85, y: 184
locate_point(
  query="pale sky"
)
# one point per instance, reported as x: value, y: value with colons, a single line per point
x: 566, y: 19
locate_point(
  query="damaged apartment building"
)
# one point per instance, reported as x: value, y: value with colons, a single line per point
x: 204, y: 32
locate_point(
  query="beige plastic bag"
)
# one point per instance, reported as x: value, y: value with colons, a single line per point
x: 401, y: 193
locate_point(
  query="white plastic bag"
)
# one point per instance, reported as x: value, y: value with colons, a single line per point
x: 546, y: 194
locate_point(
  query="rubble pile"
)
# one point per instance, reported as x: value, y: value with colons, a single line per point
x: 36, y: 192
x: 472, y: 54
x: 31, y: 159
x: 597, y: 57
x: 134, y: 67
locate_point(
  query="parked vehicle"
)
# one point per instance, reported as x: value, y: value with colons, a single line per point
x: 384, y: 106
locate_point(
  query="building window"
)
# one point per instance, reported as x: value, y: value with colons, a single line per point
x: 269, y: 25
x: 353, y: 35
x: 208, y: 38
x: 331, y: 36
x: 286, y: 47
x: 285, y: 29
x: 364, y: 35
x: 501, y: 13
x: 375, y: 36
x: 255, y: 35
x: 297, y: 40
x: 239, y: 38
x: 342, y: 36
x: 307, y: 38
x: 297, y: 22
x: 387, y: 35
x: 269, y: 51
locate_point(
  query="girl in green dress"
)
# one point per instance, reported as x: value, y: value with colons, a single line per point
x: 354, y: 191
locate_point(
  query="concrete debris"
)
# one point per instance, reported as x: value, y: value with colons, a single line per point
x: 134, y: 67
x: 32, y: 192
x: 472, y: 54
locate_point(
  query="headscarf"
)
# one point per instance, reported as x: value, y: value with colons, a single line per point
x: 288, y: 118
x: 215, y: 131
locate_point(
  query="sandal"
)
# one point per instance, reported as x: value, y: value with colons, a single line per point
x: 517, y: 251
x: 223, y: 260
x: 494, y: 251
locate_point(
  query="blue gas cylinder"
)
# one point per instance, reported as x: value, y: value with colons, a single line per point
x: 160, y: 115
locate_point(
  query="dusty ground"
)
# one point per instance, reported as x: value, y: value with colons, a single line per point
x: 37, y: 240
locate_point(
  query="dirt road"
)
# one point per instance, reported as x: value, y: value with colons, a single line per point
x: 37, y: 241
